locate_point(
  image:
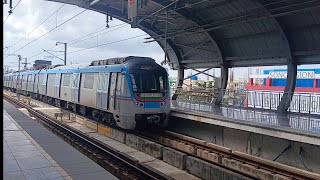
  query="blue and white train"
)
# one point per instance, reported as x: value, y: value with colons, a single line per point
x: 130, y: 92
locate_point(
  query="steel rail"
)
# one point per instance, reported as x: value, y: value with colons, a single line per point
x: 271, y: 166
x: 139, y: 170
x: 275, y: 167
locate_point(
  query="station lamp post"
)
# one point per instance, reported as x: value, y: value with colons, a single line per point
x: 65, y: 51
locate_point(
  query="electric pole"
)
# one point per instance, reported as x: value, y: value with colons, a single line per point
x: 65, y: 51
x: 19, y: 83
x: 25, y: 63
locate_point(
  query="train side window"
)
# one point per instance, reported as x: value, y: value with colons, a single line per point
x: 103, y: 82
x: 75, y: 80
x: 44, y: 79
x: 66, y: 79
x: 57, y: 79
x: 88, y: 81
x: 51, y: 79
x: 106, y: 82
x: 100, y: 81
x: 113, y: 80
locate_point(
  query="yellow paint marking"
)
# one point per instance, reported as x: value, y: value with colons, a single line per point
x: 104, y: 130
x: 200, y: 119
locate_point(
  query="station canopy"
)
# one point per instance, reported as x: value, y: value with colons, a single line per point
x: 212, y: 33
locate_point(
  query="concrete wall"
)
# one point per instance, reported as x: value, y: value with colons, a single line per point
x: 259, y: 145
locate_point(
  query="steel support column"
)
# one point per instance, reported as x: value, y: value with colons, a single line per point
x: 224, y: 83
x: 179, y: 83
x: 290, y: 86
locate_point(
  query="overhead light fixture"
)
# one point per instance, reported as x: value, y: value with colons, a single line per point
x: 94, y: 2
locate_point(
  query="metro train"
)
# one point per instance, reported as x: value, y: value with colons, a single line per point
x: 130, y: 92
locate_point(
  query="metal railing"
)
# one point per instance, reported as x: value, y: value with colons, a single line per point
x: 308, y: 103
x: 295, y: 121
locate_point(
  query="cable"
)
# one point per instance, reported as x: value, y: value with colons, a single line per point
x: 39, y: 25
x: 301, y: 153
x: 107, y: 43
x: 49, y: 31
x: 92, y: 32
x: 287, y: 148
x: 12, y: 10
x: 79, y: 39
x: 98, y: 34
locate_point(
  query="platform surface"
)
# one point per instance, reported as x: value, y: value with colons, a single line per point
x: 302, y: 125
x: 33, y: 152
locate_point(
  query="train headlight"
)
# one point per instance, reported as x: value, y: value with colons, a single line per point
x: 141, y: 104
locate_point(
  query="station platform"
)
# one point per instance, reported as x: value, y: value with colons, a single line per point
x: 291, y: 126
x: 33, y: 152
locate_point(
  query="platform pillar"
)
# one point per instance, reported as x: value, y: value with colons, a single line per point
x: 224, y: 83
x: 179, y: 83
x: 290, y: 86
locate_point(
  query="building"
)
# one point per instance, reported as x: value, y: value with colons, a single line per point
x: 41, y: 63
x: 308, y: 80
x: 268, y: 94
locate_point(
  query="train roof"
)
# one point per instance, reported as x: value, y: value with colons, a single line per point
x: 95, y: 66
x: 121, y: 60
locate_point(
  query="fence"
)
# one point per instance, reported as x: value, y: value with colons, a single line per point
x: 301, y: 102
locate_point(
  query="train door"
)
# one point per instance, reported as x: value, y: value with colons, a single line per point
x: 102, y: 91
x: 35, y: 85
x: 75, y: 87
x: 57, y: 85
x: 99, y: 91
x: 118, y: 90
x: 44, y: 84
x: 112, y: 91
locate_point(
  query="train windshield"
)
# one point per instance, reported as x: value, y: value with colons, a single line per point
x: 149, y: 83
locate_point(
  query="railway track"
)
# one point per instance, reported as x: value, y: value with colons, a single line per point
x: 115, y: 163
x: 218, y: 155
x: 223, y: 156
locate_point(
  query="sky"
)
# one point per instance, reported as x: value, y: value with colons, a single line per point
x: 118, y: 40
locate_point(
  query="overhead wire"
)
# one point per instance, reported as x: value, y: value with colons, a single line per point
x: 38, y: 25
x: 49, y: 31
x: 99, y: 34
x: 92, y: 32
x: 113, y: 42
x: 77, y: 40
x: 12, y: 10
x: 139, y: 35
x: 89, y: 34
x: 108, y: 43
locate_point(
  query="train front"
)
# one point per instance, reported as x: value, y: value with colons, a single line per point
x: 150, y: 89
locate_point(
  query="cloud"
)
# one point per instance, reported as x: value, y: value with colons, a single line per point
x: 30, y: 13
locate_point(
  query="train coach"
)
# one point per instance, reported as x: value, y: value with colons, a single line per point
x: 130, y: 92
